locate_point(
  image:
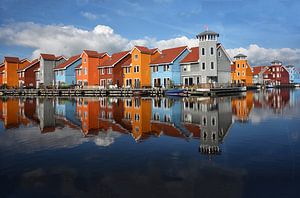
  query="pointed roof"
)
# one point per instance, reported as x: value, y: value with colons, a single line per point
x: 258, y: 69
x: 145, y: 50
x: 127, y: 63
x: 66, y: 64
x: 94, y: 54
x: 192, y: 57
x: 25, y: 67
x: 240, y: 56
x: 48, y: 56
x: 168, y: 55
x: 11, y: 59
x: 114, y: 59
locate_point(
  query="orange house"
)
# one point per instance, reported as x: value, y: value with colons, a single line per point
x: 241, y: 71
x: 87, y: 73
x: 11, y: 113
x: 242, y: 107
x: 138, y: 112
x: 1, y: 73
x: 137, y: 71
x: 10, y: 75
x: 88, y: 112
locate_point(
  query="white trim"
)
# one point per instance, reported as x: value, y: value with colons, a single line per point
x: 64, y: 68
x: 172, y: 62
x: 229, y: 58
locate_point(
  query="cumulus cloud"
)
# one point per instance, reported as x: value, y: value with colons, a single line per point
x: 69, y: 40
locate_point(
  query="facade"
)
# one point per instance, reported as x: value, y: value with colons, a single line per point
x: 87, y: 73
x: 241, y: 72
x: 1, y: 73
x: 211, y: 65
x: 260, y: 75
x: 27, y: 77
x: 242, y: 107
x: 165, y: 69
x: 46, y: 114
x: 137, y: 73
x: 65, y: 73
x: 294, y: 74
x: 111, y: 71
x: 10, y: 72
x: 44, y: 74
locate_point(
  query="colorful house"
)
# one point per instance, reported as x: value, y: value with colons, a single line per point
x: 210, y: 65
x: 294, y: 74
x: 10, y: 72
x: 241, y: 72
x: 165, y: 69
x: 111, y: 71
x: 65, y: 73
x: 1, y: 73
x: 87, y: 73
x: 44, y: 74
x: 137, y: 73
x: 26, y: 74
x: 242, y: 107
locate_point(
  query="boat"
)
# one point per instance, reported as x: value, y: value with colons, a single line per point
x: 176, y: 92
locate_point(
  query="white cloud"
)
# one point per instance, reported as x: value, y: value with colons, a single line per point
x: 89, y: 15
x: 70, y: 40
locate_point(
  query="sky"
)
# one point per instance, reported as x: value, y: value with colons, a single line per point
x: 262, y: 29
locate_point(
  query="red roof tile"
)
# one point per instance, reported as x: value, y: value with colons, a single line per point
x: 78, y: 66
x: 26, y: 66
x: 68, y: 62
x: 60, y: 57
x: 48, y: 56
x: 115, y: 58
x: 127, y: 63
x: 257, y: 69
x: 11, y: 59
x: 94, y: 54
x: 145, y: 50
x: 192, y: 57
x: 168, y: 55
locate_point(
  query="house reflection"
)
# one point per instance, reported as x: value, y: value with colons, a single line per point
x: 46, y: 114
x: 242, y: 106
x: 213, y: 116
x: 10, y: 112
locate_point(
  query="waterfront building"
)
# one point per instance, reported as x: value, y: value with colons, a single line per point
x: 111, y: 71
x: 10, y: 113
x: 44, y: 74
x: 65, y: 73
x: 260, y: 74
x: 241, y: 72
x: 9, y: 72
x: 137, y: 73
x: 165, y: 69
x: 46, y: 114
x: 87, y: 74
x: 27, y: 77
x: 209, y: 64
x: 294, y: 74
x: 242, y: 107
x: 1, y: 73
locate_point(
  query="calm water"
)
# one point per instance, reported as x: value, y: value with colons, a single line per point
x: 236, y: 146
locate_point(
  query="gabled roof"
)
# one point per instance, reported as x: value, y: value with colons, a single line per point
x: 66, y: 64
x: 168, y: 55
x: 192, y: 57
x: 11, y: 59
x: 258, y: 69
x: 94, y: 54
x: 25, y: 67
x: 78, y: 66
x: 145, y: 50
x: 114, y: 59
x: 127, y: 63
x: 48, y: 56
x: 60, y: 57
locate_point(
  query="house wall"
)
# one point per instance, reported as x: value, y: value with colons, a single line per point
x: 11, y: 78
x: 245, y: 72
x: 68, y: 76
x: 29, y: 79
x: 223, y: 67
x: 193, y: 71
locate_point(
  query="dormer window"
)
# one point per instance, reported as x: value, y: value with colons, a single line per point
x: 136, y: 56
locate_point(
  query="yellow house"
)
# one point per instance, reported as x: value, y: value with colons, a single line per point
x: 241, y: 72
x: 137, y: 71
x: 138, y: 112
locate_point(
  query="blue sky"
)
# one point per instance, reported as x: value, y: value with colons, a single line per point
x: 270, y: 24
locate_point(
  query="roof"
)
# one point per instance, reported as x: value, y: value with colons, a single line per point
x: 240, y: 56
x: 207, y: 32
x: 60, y: 57
x: 145, y: 50
x: 169, y: 55
x: 48, y: 56
x: 78, y: 66
x: 25, y: 67
x: 68, y: 62
x: 192, y: 57
x: 11, y: 59
x: 257, y: 69
x: 94, y: 54
x: 127, y: 63
x: 115, y: 58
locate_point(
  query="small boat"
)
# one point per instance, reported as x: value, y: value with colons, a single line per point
x: 176, y: 92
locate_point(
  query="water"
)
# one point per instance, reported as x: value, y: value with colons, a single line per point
x: 234, y: 146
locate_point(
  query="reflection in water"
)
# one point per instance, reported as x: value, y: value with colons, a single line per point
x: 120, y: 147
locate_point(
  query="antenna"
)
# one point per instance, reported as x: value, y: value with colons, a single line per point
x: 206, y: 27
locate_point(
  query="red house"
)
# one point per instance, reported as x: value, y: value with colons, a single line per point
x: 27, y: 75
x: 111, y: 72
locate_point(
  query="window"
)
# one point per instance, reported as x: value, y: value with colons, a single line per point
x: 166, y: 68
x: 212, y: 51
x: 85, y: 71
x: 127, y: 70
x: 79, y: 72
x: 243, y: 73
x: 102, y: 71
x: 212, y: 65
x: 220, y: 54
x: 84, y: 60
x: 204, y: 121
x: 109, y: 70
x: 136, y: 69
x: 203, y: 66
x: 238, y: 65
x: 136, y: 57
x: 156, y: 116
x: 155, y: 68
x: 136, y: 117
x: 243, y: 66
x: 203, y: 51
x: 238, y: 74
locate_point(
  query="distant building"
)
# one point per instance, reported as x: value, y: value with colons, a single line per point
x: 210, y: 65
x: 165, y: 69
x: 294, y: 74
x: 241, y: 72
x: 65, y: 73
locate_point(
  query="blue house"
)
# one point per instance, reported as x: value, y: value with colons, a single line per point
x: 294, y: 74
x: 65, y: 72
x: 166, y: 69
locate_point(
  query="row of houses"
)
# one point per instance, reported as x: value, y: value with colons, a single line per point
x: 209, y: 63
